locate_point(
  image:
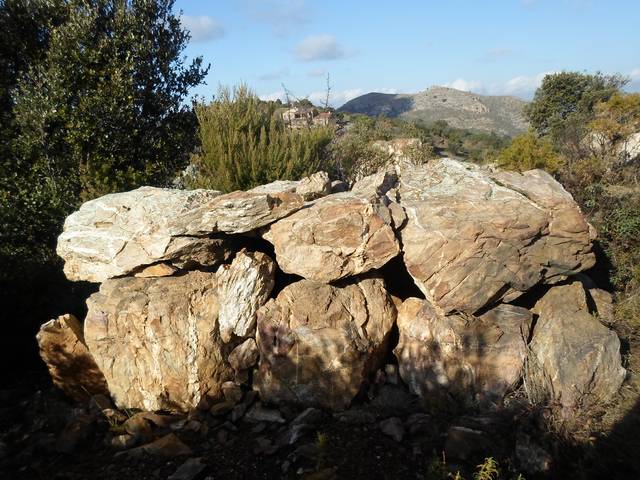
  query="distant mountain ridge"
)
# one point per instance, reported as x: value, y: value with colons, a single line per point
x: 500, y: 114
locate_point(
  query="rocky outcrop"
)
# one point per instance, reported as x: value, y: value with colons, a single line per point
x: 243, y: 287
x: 193, y: 311
x: 473, y: 358
x: 70, y: 364
x: 319, y: 342
x: 157, y: 341
x: 121, y: 233
x: 472, y: 239
x: 575, y: 360
x: 338, y: 236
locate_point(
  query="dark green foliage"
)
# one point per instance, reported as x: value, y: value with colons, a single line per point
x: 245, y: 143
x: 92, y: 95
x: 109, y: 95
x: 616, y: 215
x: 25, y: 28
x: 565, y: 101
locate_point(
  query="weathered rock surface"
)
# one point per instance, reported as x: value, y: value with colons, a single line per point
x: 70, y: 364
x: 376, y: 185
x: 314, y: 186
x: 157, y: 341
x: 243, y: 287
x: 473, y: 358
x: 319, y: 342
x: 309, y: 188
x: 245, y: 355
x: 473, y: 238
x: 338, y: 236
x: 117, y: 234
x: 575, y: 359
x: 156, y: 270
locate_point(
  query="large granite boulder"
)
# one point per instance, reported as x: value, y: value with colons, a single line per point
x: 318, y: 343
x: 338, y: 236
x: 157, y: 341
x: 70, y: 364
x: 575, y: 360
x: 473, y: 238
x: 476, y: 359
x: 243, y: 287
x: 121, y: 233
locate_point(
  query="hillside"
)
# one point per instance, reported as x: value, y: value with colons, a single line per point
x: 501, y: 114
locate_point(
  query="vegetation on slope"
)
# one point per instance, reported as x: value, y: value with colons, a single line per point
x: 245, y: 143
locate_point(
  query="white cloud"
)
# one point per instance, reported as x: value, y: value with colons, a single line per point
x: 522, y: 85
x: 466, y: 85
x: 635, y: 74
x: 319, y: 47
x: 202, y: 28
x: 284, y: 16
x: 272, y: 97
x: 336, y: 98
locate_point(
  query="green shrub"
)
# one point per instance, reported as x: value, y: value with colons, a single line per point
x: 92, y: 97
x: 528, y: 151
x: 245, y: 143
x: 618, y: 222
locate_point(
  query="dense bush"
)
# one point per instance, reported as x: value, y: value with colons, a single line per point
x: 245, y: 143
x: 527, y: 152
x: 567, y: 99
x: 93, y: 102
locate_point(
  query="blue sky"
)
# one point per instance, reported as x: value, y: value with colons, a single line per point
x: 484, y: 46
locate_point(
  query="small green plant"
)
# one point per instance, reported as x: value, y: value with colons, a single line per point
x: 488, y: 470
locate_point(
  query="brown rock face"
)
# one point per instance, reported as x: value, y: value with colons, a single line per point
x: 318, y: 342
x: 244, y: 356
x: 157, y: 341
x: 70, y: 364
x: 473, y: 238
x: 474, y: 358
x: 338, y: 236
x: 574, y: 358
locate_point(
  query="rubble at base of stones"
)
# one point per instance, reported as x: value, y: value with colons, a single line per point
x: 281, y: 292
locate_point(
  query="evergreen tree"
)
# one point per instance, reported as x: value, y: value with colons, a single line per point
x: 96, y: 105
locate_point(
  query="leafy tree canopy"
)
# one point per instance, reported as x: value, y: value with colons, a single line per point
x: 569, y: 94
x: 92, y: 96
